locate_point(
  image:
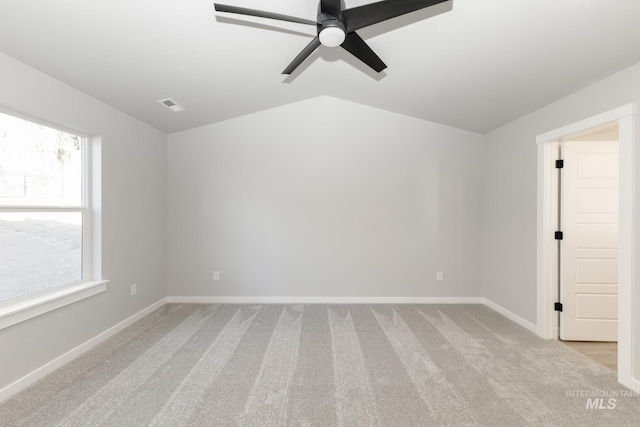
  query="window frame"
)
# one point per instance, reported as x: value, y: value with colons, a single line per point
x: 27, y: 306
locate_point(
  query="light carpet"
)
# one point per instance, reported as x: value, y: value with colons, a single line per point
x: 326, y: 365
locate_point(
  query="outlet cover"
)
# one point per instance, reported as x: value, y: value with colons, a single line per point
x: 134, y: 289
x: 216, y: 275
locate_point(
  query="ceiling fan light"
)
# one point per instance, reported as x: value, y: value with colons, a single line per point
x: 332, y: 36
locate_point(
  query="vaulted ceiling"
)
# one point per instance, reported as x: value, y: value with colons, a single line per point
x: 472, y: 64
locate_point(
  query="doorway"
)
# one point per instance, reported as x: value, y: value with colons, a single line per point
x: 548, y: 207
x: 588, y: 262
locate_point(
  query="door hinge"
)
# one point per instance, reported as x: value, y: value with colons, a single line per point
x: 557, y: 306
x: 559, y: 235
x: 559, y: 164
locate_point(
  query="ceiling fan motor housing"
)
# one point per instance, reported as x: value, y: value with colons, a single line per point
x: 331, y: 32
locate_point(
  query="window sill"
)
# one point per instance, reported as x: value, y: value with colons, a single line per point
x: 28, y: 308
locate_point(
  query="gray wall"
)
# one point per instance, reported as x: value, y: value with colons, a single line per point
x: 510, y: 193
x: 133, y: 219
x: 325, y: 198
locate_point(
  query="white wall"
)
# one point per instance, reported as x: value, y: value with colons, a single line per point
x: 133, y: 218
x: 324, y: 198
x: 510, y: 193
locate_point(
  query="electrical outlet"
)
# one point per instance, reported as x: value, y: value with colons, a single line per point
x: 134, y: 289
x: 439, y: 276
x: 216, y: 275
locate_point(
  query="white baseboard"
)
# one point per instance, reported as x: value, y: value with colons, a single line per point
x: 635, y: 385
x: 56, y: 363
x: 325, y: 300
x: 509, y: 315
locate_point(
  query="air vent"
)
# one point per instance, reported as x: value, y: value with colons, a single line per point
x: 172, y: 105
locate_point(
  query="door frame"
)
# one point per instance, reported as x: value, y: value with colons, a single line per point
x: 547, y: 269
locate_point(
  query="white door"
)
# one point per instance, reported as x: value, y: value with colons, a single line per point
x: 589, y: 249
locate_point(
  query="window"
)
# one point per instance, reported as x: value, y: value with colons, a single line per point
x: 44, y: 209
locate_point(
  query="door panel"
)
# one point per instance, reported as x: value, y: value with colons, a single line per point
x: 602, y: 236
x: 589, y: 251
x: 591, y: 306
x: 597, y: 200
x: 596, y: 271
x: 598, y: 165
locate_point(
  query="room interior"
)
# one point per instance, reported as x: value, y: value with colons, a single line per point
x: 335, y: 185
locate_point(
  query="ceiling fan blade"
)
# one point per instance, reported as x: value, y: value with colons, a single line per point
x: 308, y: 50
x: 369, y: 14
x: 261, y: 14
x: 330, y: 7
x: 361, y: 50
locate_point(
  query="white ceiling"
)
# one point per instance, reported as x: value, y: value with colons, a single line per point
x: 475, y: 64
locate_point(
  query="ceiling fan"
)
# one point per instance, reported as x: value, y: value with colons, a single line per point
x: 337, y: 26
